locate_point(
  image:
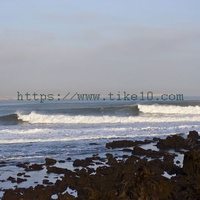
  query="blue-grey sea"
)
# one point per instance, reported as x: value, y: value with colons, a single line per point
x: 31, y: 130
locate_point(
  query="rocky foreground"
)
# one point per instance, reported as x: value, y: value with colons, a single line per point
x: 139, y: 176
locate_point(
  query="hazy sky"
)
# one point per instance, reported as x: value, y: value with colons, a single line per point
x: 58, y: 46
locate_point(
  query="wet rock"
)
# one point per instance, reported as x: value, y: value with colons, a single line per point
x: 22, y: 165
x: 130, y: 178
x: 20, y: 180
x: 90, y: 170
x: 66, y: 196
x: 34, y: 167
x: 83, y: 163
x: 120, y: 144
x: 50, y: 161
x: 68, y: 158
x: 193, y: 135
x: 93, y: 143
x: 139, y: 151
x: 56, y: 170
x: 127, y: 150
x: 47, y: 182
x: 191, y: 164
x: 125, y: 143
x: 111, y: 159
x: 27, y: 176
x: 12, y: 179
x: 155, y: 139
x: 61, y: 161
x: 175, y: 142
x: 149, y: 153
x: 20, y: 174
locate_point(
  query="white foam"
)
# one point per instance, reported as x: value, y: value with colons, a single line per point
x: 54, y: 196
x: 167, y: 175
x: 35, y: 118
x: 24, y: 131
x: 71, y: 192
x: 180, y: 158
x: 170, y: 109
x: 23, y: 134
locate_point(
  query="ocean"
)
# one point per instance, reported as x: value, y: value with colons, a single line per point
x: 33, y: 131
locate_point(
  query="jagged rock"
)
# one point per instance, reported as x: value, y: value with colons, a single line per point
x: 66, y: 196
x: 61, y: 161
x: 191, y: 164
x: 83, y: 163
x: 50, y: 161
x: 111, y: 159
x: 20, y: 180
x: 56, y: 170
x: 175, y: 142
x: 93, y: 143
x: 193, y: 135
x: 47, y: 182
x: 34, y: 167
x: 22, y: 165
x: 133, y: 177
x: 20, y: 174
x: 125, y: 143
x: 149, y: 153
x: 12, y: 179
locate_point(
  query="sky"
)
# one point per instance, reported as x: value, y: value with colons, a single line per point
x: 49, y: 46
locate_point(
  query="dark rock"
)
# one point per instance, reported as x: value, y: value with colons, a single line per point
x: 66, y: 196
x: 193, y: 135
x: 61, y: 161
x: 47, y: 182
x: 27, y: 176
x: 56, y: 170
x: 125, y: 156
x: 34, y: 167
x: 50, y: 161
x: 22, y: 165
x: 130, y: 178
x: 191, y: 164
x: 93, y: 143
x: 20, y: 174
x: 178, y: 162
x: 127, y: 150
x: 68, y: 158
x: 12, y: 179
x: 120, y: 144
x: 83, y: 162
x: 125, y: 143
x: 149, y: 153
x: 20, y: 180
x: 175, y: 142
x: 111, y: 159
x: 155, y: 139
x: 139, y: 151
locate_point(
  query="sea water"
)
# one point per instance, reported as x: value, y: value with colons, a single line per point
x: 31, y: 130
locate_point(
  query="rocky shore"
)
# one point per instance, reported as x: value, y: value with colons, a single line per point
x: 145, y: 174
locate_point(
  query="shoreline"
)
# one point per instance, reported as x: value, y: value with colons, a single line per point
x: 132, y: 169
